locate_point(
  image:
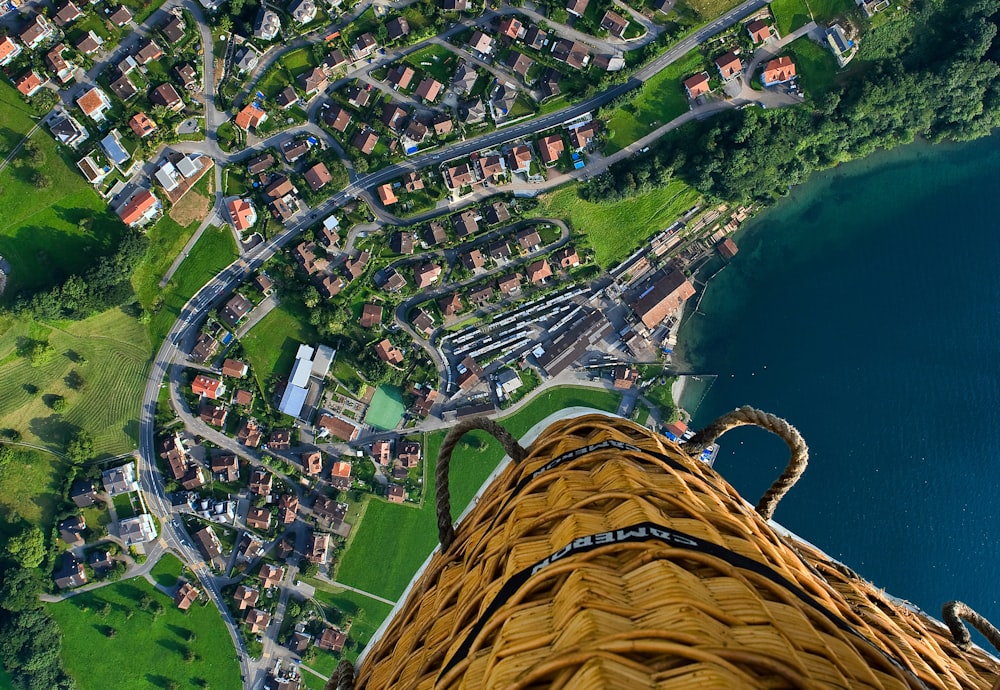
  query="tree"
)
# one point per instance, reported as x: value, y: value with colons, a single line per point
x: 40, y: 353
x: 40, y: 180
x: 58, y: 404
x: 6, y: 455
x: 20, y: 589
x: 28, y: 547
x: 225, y: 24
x: 110, y: 631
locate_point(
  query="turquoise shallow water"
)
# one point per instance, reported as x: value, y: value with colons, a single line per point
x: 865, y: 309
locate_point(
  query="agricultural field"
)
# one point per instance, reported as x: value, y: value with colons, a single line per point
x: 661, y: 100
x: 153, y: 652
x: 30, y: 489
x: 47, y: 232
x: 271, y: 344
x: 213, y: 251
x: 109, y: 354
x: 789, y: 15
x: 615, y: 229
x: 410, y: 532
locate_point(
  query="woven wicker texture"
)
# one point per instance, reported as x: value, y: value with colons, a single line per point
x: 635, y: 568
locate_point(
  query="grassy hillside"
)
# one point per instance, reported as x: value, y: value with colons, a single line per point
x: 30, y: 489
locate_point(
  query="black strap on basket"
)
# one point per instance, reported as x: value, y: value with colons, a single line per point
x: 789, y: 434
x: 446, y: 528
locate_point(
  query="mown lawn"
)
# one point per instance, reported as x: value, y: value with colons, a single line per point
x: 40, y: 235
x: 790, y: 15
x: 393, y: 540
x: 144, y: 652
x: 661, y: 100
x: 17, y: 118
x: 166, y: 240
x: 167, y: 571
x: 271, y: 344
x: 366, y: 615
x: 815, y: 65
x: 614, y: 230
x: 825, y: 10
x: 214, y: 250
x: 435, y: 60
x: 31, y: 488
x: 110, y: 352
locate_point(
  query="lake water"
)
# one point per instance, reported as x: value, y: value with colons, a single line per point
x: 865, y: 309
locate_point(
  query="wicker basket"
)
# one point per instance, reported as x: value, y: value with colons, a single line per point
x: 610, y: 559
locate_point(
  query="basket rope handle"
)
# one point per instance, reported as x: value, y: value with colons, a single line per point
x: 343, y: 676
x: 954, y: 612
x: 742, y: 416
x: 446, y: 530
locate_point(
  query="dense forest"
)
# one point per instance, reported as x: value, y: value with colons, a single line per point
x: 939, y: 82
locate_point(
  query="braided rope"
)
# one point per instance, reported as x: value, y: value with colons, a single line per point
x: 446, y: 530
x: 776, y: 425
x: 343, y: 676
x: 954, y: 612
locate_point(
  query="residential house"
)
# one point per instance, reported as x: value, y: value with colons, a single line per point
x: 187, y: 76
x: 267, y: 26
x: 451, y: 303
x: 415, y: 132
x: 204, y: 347
x: 519, y: 64
x: 386, y: 195
x: 396, y: 493
x: 207, y: 387
x: 759, y: 31
x: 496, y: 213
x: 72, y: 529
x: 286, y: 98
x: 59, y: 66
x: 583, y: 136
x: 30, y: 83
x: 250, y: 117
x: 9, y: 49
x: 83, y: 493
x: 512, y: 28
x: 213, y: 415
x: 257, y: 621
x: 729, y: 65
x: 429, y: 89
x: 245, y: 597
x: 393, y: 117
x: 519, y: 159
x: 423, y: 323
x: 293, y: 149
x: 101, y: 561
x: 334, y: 59
x: 288, y: 506
x: 317, y: 177
x: 550, y: 148
x: 393, y: 281
x: 435, y: 233
x: 332, y: 640
x: 469, y: 373
x: 424, y: 402
x: 70, y: 573
x: 465, y: 78
x: 388, y: 352
x: 454, y: 5
x: 249, y: 433
x: 137, y: 530
x: 94, y: 173
x: 412, y: 182
x: 778, y: 71
x: 500, y: 250
x: 264, y: 283
x: 539, y: 271
x: 364, y: 45
x: 491, y: 167
x: 242, y: 397
x: 409, y: 454
x: 442, y: 124
x: 365, y: 140
x: 36, y: 32
x: 124, y: 88
x: 122, y: 16
x: 577, y: 7
x: 566, y: 257
x: 473, y: 260
x: 660, y: 296
x: 535, y: 38
x: 548, y: 83
x: 260, y: 163
x: 246, y: 59
x: 339, y: 428
x: 459, y: 176
x: 337, y: 117
x: 509, y: 285
x: 401, y: 242
x: 271, y: 576
x: 465, y: 223
x: 326, y: 508
x: 480, y: 43
x: 314, y: 81
x: 173, y: 29
x: 396, y: 28
x: 261, y: 482
x: 697, y: 85
x: 572, y: 53
x: 614, y: 24
x: 528, y: 239
x: 94, y: 103
x: 141, y: 208
x: 358, y: 96
x: 259, y: 518
x: 167, y: 96
x: 280, y: 439
x: 225, y: 468
x: 317, y: 547
x: 185, y: 595
x: 371, y: 315
x: 242, y: 213
x: 304, y: 11
x: 625, y: 377
x: 426, y: 274
x: 279, y: 186
x: 148, y: 51
x: 312, y: 463
x: 356, y: 267
x: 142, y: 125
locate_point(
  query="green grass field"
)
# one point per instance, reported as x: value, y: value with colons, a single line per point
x: 39, y: 228
x: 825, y: 10
x: 366, y: 615
x: 386, y: 408
x: 17, y: 117
x: 31, y: 489
x: 393, y: 540
x: 166, y: 240
x: 790, y: 15
x: 710, y: 9
x: 435, y: 60
x: 214, y: 250
x: 167, y: 571
x: 146, y: 652
x: 271, y: 344
x: 115, y: 354
x: 815, y: 65
x: 616, y: 229
x: 662, y: 99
